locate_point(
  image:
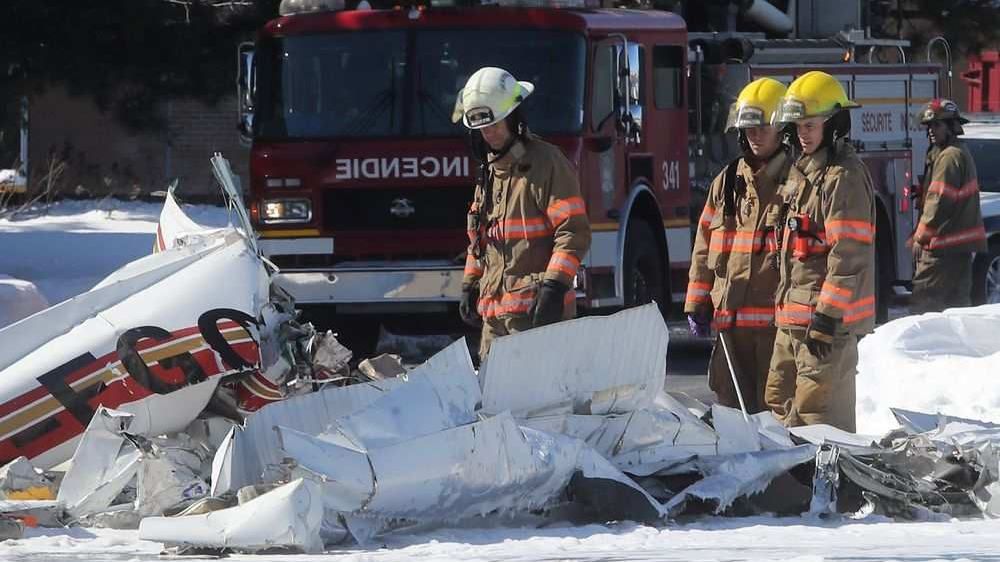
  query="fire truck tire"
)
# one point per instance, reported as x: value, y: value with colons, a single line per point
x: 644, y: 272
x: 986, y: 275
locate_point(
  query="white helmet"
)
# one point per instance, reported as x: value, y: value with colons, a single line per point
x: 489, y: 96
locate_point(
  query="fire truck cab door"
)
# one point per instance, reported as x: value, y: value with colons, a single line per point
x: 607, y: 151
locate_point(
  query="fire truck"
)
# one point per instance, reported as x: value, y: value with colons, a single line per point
x: 360, y: 181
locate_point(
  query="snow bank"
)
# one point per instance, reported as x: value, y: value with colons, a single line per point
x: 18, y: 299
x: 937, y: 362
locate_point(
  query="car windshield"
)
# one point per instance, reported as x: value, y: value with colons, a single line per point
x: 357, y: 84
x: 986, y: 154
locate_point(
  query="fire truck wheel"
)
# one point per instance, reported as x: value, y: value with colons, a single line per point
x: 644, y: 268
x: 986, y: 275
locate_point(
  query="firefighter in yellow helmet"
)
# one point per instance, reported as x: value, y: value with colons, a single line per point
x: 951, y: 225
x: 825, y: 298
x: 528, y: 226
x: 734, y: 261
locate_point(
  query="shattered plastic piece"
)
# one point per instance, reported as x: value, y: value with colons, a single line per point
x: 594, y: 365
x: 168, y: 476
x: 289, y: 516
x: 385, y: 366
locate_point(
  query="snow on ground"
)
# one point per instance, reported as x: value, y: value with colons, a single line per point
x: 934, y: 363
x: 75, y: 244
x: 751, y: 538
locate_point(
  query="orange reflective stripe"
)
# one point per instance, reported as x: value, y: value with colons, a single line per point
x: 741, y: 242
x: 835, y: 296
x: 473, y: 267
x: 698, y: 292
x: 563, y: 209
x: 974, y: 234
x: 860, y: 310
x: 951, y: 192
x: 862, y: 231
x: 509, y: 303
x: 707, y: 215
x: 745, y: 317
x: 564, y: 263
x: 794, y: 314
x: 519, y: 229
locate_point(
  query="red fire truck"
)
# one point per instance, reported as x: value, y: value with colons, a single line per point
x: 360, y: 182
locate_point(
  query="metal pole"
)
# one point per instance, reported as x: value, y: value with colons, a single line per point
x: 732, y: 372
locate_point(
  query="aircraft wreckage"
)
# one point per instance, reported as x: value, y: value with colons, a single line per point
x: 194, y: 406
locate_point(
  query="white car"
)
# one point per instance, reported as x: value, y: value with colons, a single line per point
x: 982, y: 137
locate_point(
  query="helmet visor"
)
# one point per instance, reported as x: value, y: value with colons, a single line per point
x: 745, y: 117
x: 479, y: 117
x: 790, y: 110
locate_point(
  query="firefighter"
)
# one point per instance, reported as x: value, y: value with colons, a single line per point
x: 734, y: 261
x: 951, y: 226
x: 825, y: 300
x: 527, y: 224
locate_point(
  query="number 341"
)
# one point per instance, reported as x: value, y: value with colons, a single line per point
x: 671, y: 175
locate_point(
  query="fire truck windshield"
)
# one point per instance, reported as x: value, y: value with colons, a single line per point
x: 403, y: 83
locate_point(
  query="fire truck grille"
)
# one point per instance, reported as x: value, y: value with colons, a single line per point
x: 432, y: 208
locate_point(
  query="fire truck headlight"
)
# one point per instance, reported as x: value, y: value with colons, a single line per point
x: 277, y: 211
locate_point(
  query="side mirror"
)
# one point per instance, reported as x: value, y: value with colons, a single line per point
x: 246, y: 89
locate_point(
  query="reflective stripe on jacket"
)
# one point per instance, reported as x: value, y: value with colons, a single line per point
x: 733, y: 260
x: 828, y: 261
x: 536, y: 228
x: 951, y: 220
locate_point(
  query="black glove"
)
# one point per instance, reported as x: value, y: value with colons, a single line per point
x: 468, y: 305
x: 819, y: 335
x: 549, y: 303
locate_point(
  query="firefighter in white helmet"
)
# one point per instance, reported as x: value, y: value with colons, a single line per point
x: 734, y: 266
x: 527, y: 225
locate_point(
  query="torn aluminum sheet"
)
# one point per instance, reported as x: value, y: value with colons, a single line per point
x: 385, y: 366
x: 641, y: 437
x: 727, y: 477
x: 288, y: 517
x: 463, y: 472
x: 920, y: 422
x: 102, y: 466
x: 153, y: 338
x: 595, y: 365
x: 168, y: 476
x: 20, y: 480
x: 251, y: 454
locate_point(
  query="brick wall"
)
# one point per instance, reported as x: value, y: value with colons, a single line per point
x: 101, y: 157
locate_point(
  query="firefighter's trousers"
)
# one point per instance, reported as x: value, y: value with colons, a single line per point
x: 750, y: 351
x: 803, y: 390
x: 941, y: 281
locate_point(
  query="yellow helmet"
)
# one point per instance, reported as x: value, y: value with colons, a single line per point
x: 756, y: 104
x: 814, y: 94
